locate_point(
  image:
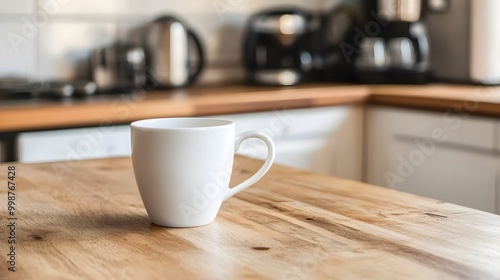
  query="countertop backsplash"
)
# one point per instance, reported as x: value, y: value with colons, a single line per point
x: 51, y: 39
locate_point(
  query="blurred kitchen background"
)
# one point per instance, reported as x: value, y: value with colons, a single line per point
x: 443, y: 40
x: 59, y: 47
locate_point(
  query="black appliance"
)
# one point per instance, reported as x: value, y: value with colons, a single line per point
x: 337, y: 43
x: 278, y: 49
x: 398, y: 51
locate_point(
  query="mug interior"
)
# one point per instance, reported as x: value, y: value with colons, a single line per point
x: 180, y: 123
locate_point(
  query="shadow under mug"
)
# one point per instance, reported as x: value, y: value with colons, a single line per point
x: 183, y: 166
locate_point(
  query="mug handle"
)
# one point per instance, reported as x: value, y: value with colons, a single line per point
x: 263, y: 169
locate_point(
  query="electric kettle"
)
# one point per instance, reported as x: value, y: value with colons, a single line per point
x: 174, y: 53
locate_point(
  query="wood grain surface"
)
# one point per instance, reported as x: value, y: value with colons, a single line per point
x: 85, y: 220
x: 470, y: 99
x: 198, y: 101
x: 215, y: 100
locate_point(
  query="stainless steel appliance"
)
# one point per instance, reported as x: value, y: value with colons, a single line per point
x: 277, y: 47
x: 175, y: 54
x: 464, y: 40
x: 400, y: 10
x: 118, y: 67
x: 12, y: 88
x: 373, y: 61
x: 65, y: 89
x: 399, y: 51
x: 22, y: 89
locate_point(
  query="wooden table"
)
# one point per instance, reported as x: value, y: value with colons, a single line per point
x: 85, y: 220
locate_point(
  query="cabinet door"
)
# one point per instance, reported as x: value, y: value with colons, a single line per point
x: 73, y: 144
x: 326, y: 140
x: 460, y: 176
x: 460, y: 166
x: 314, y: 154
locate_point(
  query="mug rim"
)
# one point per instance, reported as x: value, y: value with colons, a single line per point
x: 215, y: 124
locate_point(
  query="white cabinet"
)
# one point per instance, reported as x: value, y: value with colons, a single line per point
x: 465, y: 177
x: 445, y: 156
x: 325, y: 140
x: 73, y: 144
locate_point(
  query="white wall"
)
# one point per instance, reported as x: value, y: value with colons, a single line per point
x: 53, y: 45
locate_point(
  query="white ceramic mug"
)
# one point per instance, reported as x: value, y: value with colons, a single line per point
x: 183, y: 166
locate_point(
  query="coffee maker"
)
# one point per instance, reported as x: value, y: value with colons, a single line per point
x: 399, y: 51
x: 277, y: 47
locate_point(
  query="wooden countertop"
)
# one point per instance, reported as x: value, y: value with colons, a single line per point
x: 199, y: 101
x: 122, y: 109
x: 474, y: 99
x: 85, y: 220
